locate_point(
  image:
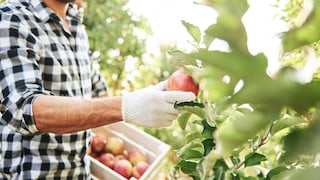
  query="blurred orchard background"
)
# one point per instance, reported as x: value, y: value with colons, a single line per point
x: 257, y: 61
x: 132, y: 38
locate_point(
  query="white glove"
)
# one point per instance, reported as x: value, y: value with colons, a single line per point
x: 161, y: 86
x: 152, y: 107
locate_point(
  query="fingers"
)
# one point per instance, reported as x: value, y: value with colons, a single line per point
x: 161, y: 86
x: 171, y: 110
x: 167, y: 120
x: 153, y: 108
x: 178, y: 96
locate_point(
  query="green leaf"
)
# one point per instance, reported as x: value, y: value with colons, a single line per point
x: 215, y: 90
x: 275, y: 171
x: 192, y: 107
x: 309, y: 173
x: 303, y: 141
x: 191, y: 154
x: 189, y: 103
x: 298, y: 96
x: 181, y: 59
x: 187, y: 167
x: 193, y: 30
x: 256, y: 142
x: 219, y: 169
x: 208, y: 130
x: 308, y: 33
x: 249, y: 178
x: 240, y: 175
x: 229, y: 26
x: 234, y: 64
x: 183, y: 119
x: 235, y: 160
x: 208, y: 145
x: 193, y: 136
x: 234, y: 175
x: 233, y: 133
x: 254, y: 158
x: 285, y: 123
x: 208, y: 38
x: 196, y: 144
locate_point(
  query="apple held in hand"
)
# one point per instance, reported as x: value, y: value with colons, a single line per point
x: 181, y: 81
x: 123, y: 167
x: 136, y: 155
x: 115, y: 145
x: 139, y: 169
x: 98, y: 143
x: 107, y: 159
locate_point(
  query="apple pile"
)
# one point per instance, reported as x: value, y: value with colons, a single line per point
x: 110, y: 152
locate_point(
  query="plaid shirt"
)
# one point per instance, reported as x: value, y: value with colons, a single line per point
x: 38, y: 56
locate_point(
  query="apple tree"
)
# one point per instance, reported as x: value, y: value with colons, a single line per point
x: 252, y: 125
x: 117, y: 39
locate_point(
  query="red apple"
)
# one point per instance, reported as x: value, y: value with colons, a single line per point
x: 123, y: 167
x: 107, y: 159
x: 115, y: 145
x: 120, y: 156
x: 136, y: 155
x: 98, y: 143
x: 139, y: 169
x: 92, y: 154
x: 181, y: 81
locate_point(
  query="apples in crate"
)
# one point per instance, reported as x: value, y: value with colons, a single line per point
x: 107, y: 159
x: 139, y: 168
x: 114, y: 145
x: 128, y: 153
x: 97, y: 145
x: 110, y: 152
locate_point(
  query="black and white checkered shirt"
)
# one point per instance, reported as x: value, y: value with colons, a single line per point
x: 38, y: 56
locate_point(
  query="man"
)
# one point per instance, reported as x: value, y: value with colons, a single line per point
x: 47, y: 84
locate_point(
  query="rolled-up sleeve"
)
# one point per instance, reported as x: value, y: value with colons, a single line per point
x: 20, y: 77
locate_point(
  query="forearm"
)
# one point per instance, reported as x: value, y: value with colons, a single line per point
x: 64, y: 114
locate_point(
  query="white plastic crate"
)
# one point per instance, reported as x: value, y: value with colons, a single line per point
x: 133, y: 137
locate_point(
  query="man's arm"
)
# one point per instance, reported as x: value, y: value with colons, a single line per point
x: 65, y: 114
x: 148, y: 107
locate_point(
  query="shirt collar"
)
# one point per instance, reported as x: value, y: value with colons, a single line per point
x: 41, y: 11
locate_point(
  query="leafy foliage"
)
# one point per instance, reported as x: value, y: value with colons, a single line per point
x: 118, y: 40
x: 246, y: 110
x: 306, y: 34
x: 245, y: 124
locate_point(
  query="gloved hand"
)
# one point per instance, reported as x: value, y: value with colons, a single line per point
x: 153, y: 107
x: 161, y: 86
